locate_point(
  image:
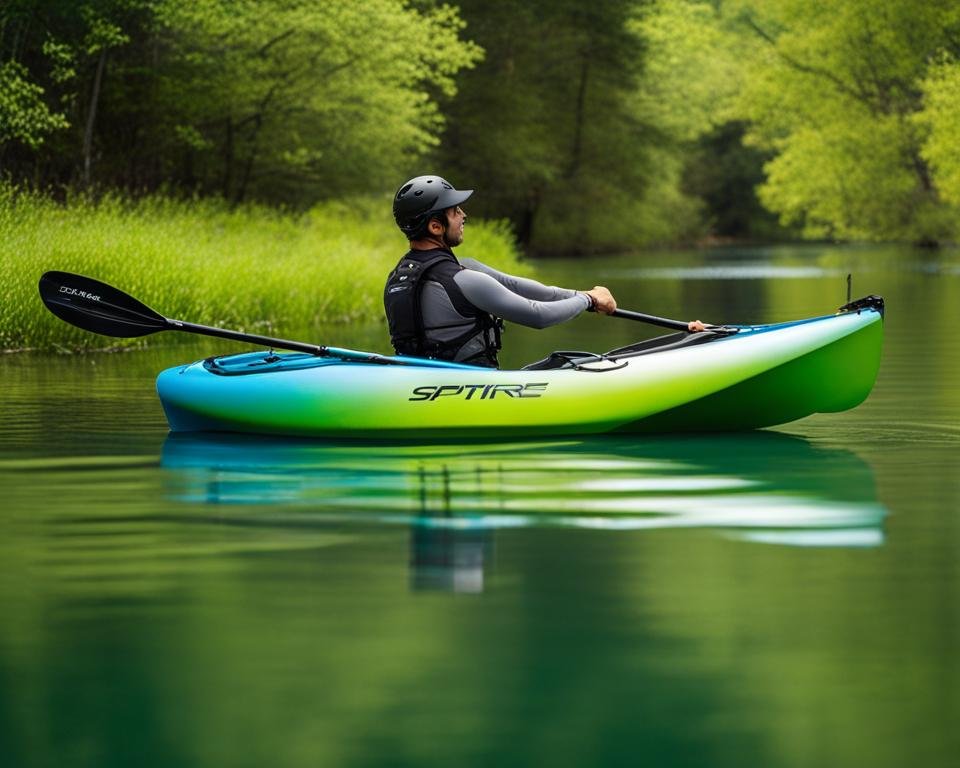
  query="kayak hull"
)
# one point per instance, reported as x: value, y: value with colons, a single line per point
x: 761, y: 376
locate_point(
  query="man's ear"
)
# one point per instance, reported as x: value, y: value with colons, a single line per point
x: 435, y: 227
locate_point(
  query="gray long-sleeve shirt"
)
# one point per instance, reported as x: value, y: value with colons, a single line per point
x: 515, y: 299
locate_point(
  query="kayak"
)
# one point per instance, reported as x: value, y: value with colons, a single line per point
x: 729, y: 379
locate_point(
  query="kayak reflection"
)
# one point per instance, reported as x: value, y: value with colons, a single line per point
x: 762, y: 487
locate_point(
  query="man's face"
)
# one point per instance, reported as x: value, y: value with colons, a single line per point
x: 455, y: 220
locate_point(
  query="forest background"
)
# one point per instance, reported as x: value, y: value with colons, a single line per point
x: 587, y: 127
x: 598, y: 125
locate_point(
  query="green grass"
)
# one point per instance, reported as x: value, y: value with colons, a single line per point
x: 254, y: 268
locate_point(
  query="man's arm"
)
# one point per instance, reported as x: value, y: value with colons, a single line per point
x: 522, y: 286
x: 489, y: 294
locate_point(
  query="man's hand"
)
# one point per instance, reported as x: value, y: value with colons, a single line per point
x: 603, y: 300
x: 695, y: 326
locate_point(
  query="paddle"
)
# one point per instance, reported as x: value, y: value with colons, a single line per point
x: 95, y: 306
x: 677, y: 325
x: 101, y: 308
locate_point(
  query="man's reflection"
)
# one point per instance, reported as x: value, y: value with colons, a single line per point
x: 443, y: 557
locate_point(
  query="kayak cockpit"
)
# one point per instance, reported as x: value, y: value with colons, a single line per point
x: 617, y: 357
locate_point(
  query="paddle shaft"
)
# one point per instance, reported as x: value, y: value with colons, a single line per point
x: 294, y: 346
x: 664, y: 322
x: 252, y: 338
x: 313, y: 349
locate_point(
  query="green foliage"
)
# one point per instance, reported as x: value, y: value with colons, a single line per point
x: 62, y: 61
x: 692, y: 72
x: 941, y: 120
x: 289, y: 100
x: 543, y: 127
x: 69, y: 50
x: 250, y: 268
x: 24, y: 117
x: 581, y: 123
x: 589, y: 126
x: 102, y: 33
x: 279, y: 100
x: 724, y: 174
x: 832, y: 93
x: 691, y: 69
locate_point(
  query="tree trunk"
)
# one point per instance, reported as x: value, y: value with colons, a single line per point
x: 228, y: 160
x: 92, y: 117
x: 579, y: 119
x: 527, y: 217
x: 251, y: 159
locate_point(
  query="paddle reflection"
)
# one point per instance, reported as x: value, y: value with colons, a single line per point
x: 762, y: 487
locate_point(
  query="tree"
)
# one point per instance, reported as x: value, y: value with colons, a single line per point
x: 941, y: 128
x: 282, y: 100
x: 77, y: 55
x: 582, y: 125
x: 102, y: 36
x: 833, y: 93
x: 546, y: 127
x: 24, y: 117
x: 724, y: 175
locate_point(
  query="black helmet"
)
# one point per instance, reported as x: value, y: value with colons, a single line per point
x: 420, y: 198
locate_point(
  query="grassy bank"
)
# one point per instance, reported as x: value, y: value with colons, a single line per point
x: 253, y: 269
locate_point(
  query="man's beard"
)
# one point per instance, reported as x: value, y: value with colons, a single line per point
x: 451, y: 242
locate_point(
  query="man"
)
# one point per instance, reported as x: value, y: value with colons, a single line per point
x: 441, y: 307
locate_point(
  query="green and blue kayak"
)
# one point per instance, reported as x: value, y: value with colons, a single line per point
x: 757, y: 376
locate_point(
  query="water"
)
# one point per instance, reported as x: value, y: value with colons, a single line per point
x: 784, y: 598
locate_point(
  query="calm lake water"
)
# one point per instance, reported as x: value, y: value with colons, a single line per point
x: 781, y: 598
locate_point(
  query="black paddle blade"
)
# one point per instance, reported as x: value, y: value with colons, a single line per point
x: 98, y: 307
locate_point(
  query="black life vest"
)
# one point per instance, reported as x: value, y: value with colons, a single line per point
x: 401, y: 300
